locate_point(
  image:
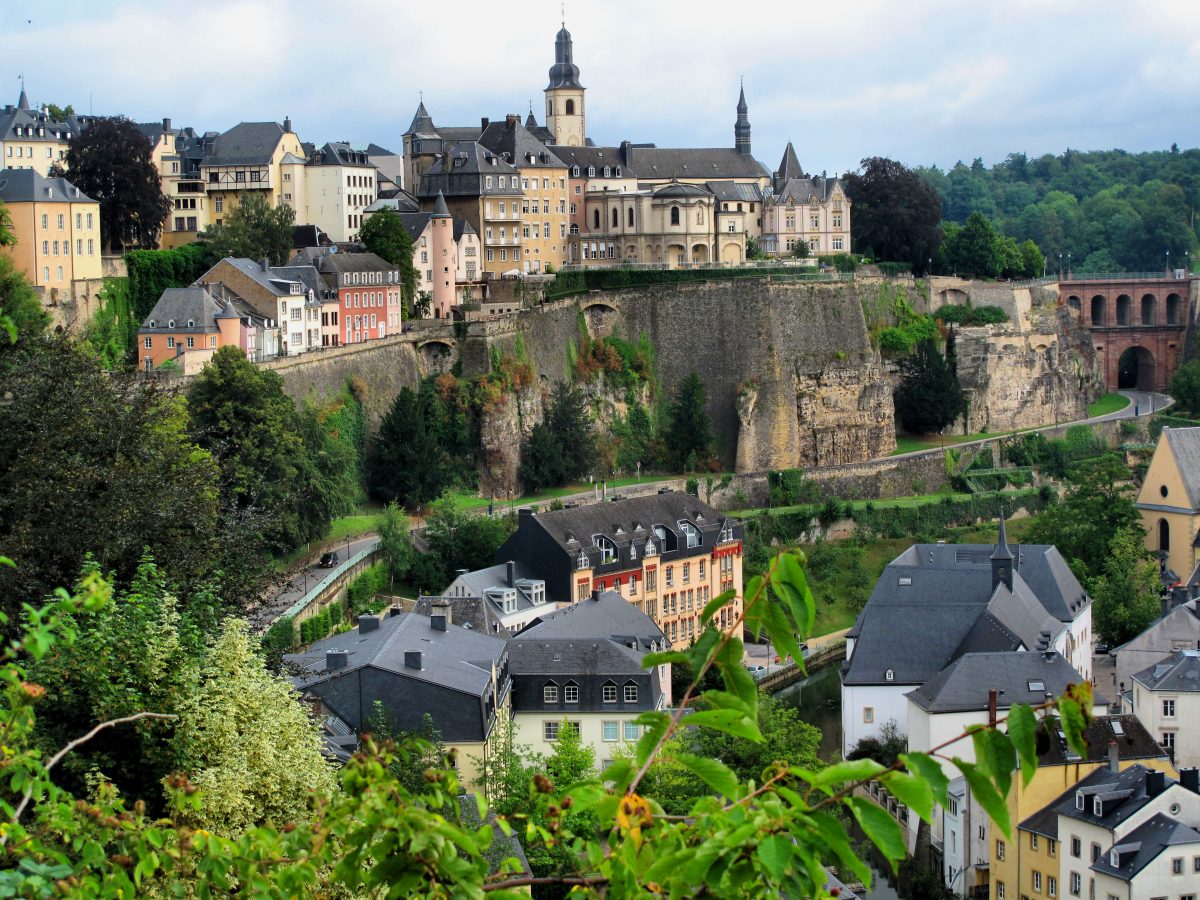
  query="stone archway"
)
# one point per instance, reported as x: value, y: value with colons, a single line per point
x: 1135, y: 369
x: 1124, y: 303
x: 1098, y: 310
x: 1149, y: 310
x: 1173, y: 303
x: 1074, y: 303
x: 699, y: 254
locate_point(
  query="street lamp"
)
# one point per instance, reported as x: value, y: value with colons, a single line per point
x: 1068, y: 267
x: 1168, y: 262
x: 1060, y: 268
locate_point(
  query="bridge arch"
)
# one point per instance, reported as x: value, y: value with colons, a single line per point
x: 1135, y: 369
x: 437, y: 356
x: 1124, y: 303
x: 1098, y: 309
x: 1075, y: 303
x: 1149, y: 309
x: 1174, y: 301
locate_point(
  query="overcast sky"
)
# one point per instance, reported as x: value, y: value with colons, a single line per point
x: 922, y: 81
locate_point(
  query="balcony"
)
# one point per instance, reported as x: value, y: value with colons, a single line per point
x: 238, y: 180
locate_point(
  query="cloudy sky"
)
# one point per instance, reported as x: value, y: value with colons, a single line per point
x: 922, y: 81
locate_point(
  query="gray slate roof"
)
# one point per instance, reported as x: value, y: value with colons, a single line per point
x: 706, y: 163
x: 1144, y: 844
x: 802, y: 190
x: 338, y: 153
x: 457, y: 658
x: 1127, y: 786
x: 1185, y: 445
x: 610, y: 617
x: 735, y: 191
x: 354, y: 262
x: 1178, y: 672
x: 181, y: 305
x: 789, y: 166
x: 523, y: 149
x: 461, y: 173
x: 963, y: 685
x: 1132, y: 739
x: 27, y: 186
x: 247, y: 143
x: 481, y: 581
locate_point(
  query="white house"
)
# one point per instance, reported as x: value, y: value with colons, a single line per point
x: 1166, y: 699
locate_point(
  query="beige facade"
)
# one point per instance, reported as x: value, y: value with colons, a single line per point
x: 1168, y: 500
x: 812, y: 211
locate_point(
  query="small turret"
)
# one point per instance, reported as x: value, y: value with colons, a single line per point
x: 741, y: 130
x: 1002, y: 560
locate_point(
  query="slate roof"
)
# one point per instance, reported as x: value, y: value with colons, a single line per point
x: 23, y: 116
x: 789, y: 166
x: 276, y: 284
x: 152, y: 131
x: 523, y: 149
x: 610, y: 617
x: 564, y: 72
x: 469, y: 612
x: 1144, y: 844
x: 402, y: 202
x: 1178, y: 672
x: 354, y: 262
x: 802, y: 190
x: 304, y: 236
x: 338, y: 153
x: 457, y: 658
x: 596, y: 157
x: 181, y: 305
x: 706, y: 163
x: 1132, y: 738
x: 247, y: 143
x: 1122, y: 794
x: 307, y: 275
x: 735, y: 191
x: 461, y: 171
x: 27, y: 186
x: 495, y: 577
x: 681, y: 190
x: 1185, y: 446
x: 963, y: 685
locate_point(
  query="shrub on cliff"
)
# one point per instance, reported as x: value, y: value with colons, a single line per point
x: 929, y: 397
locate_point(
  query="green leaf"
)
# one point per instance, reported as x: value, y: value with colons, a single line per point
x: 701, y: 650
x: 711, y: 607
x: 912, y: 791
x: 712, y: 772
x: 853, y: 770
x: 656, y: 724
x: 995, y: 757
x: 791, y: 584
x: 650, y: 660
x: 879, y: 827
x: 780, y: 629
x: 1072, y: 719
x: 1022, y: 731
x: 730, y: 721
x: 832, y: 834
x: 987, y: 797
x: 931, y: 770
x: 775, y: 853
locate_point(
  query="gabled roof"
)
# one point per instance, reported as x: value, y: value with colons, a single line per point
x: 422, y: 122
x: 1144, y: 844
x: 27, y: 186
x: 804, y: 190
x: 354, y: 262
x: 1121, y: 793
x: 1130, y: 735
x: 247, y: 143
x: 1020, y: 677
x: 713, y: 162
x: 338, y: 153
x: 789, y: 166
x: 481, y: 581
x: 596, y: 157
x: 608, y: 617
x: 1178, y: 672
x: 1185, y: 447
x: 522, y: 148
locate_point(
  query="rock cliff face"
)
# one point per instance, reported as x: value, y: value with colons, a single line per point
x: 502, y: 432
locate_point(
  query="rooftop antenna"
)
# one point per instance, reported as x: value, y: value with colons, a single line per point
x: 421, y: 95
x: 563, y: 8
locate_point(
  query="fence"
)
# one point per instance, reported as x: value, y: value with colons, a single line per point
x: 298, y: 608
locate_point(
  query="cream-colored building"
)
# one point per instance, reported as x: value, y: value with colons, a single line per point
x: 337, y: 184
x: 57, y: 228
x: 1166, y: 699
x: 30, y: 139
x: 1169, y: 501
x: 802, y: 209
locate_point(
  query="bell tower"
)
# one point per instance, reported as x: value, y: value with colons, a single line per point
x: 564, y: 95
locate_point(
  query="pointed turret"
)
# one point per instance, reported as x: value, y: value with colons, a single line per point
x: 789, y: 166
x: 1002, y: 560
x: 422, y: 123
x: 23, y: 101
x: 564, y: 72
x: 440, y: 209
x: 530, y: 121
x: 741, y: 131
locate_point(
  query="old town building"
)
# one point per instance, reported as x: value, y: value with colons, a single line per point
x: 802, y: 209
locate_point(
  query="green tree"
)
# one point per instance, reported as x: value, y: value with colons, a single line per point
x: 689, y: 430
x: 1125, y: 596
x: 406, y: 461
x: 247, y: 743
x: 91, y: 462
x: 896, y: 213
x: 562, y: 447
x: 59, y: 113
x: 274, y: 461
x: 417, y: 752
x: 7, y: 237
x: 929, y: 396
x: 384, y: 234
x: 395, y: 542
x: 111, y: 162
x: 975, y: 249
x: 1097, y: 506
x: 253, y: 229
x: 1185, y: 387
x: 19, y: 302
x: 1033, y: 262
x: 458, y: 540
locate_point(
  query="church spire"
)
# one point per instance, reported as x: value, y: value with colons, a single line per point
x: 741, y: 130
x: 1002, y: 560
x: 23, y: 101
x: 564, y: 72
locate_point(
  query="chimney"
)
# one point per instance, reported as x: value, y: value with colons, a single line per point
x: 596, y: 595
x: 287, y: 124
x: 265, y: 264
x: 1164, y: 606
x: 510, y: 569
x: 483, y: 123
x: 993, y: 696
x: 512, y: 119
x: 1190, y: 779
x: 1002, y: 560
x: 394, y: 610
x: 167, y: 125
x: 1156, y: 783
x: 439, y: 614
x: 1179, y: 596
x: 412, y: 659
x: 367, y: 624
x: 336, y: 659
x: 1114, y: 756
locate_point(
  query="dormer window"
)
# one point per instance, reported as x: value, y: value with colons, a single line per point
x: 574, y: 171
x: 617, y: 171
x: 608, y: 550
x: 651, y: 550
x: 591, y: 171
x: 191, y: 323
x: 889, y: 675
x: 690, y: 532
x: 1114, y: 858
x: 171, y: 323
x: 1097, y: 807
x: 1079, y: 800
x: 583, y: 562
x: 726, y: 536
x: 607, y: 172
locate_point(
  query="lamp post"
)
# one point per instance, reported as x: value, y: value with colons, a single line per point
x: 1060, y: 268
x: 1068, y: 267
x: 1168, y: 262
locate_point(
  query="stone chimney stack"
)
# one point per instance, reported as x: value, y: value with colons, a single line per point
x: 1114, y: 757
x: 439, y: 614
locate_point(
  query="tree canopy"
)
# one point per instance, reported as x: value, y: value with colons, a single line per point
x: 896, y: 213
x: 384, y: 234
x: 689, y: 437
x: 20, y: 303
x: 562, y: 447
x: 111, y: 162
x: 929, y: 396
x: 1125, y: 593
x: 253, y: 229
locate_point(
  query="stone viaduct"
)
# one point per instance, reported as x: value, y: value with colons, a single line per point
x: 1138, y: 324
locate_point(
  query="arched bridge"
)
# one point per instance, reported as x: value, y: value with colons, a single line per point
x: 1138, y: 324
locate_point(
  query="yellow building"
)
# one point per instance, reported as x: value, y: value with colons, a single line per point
x: 1170, y: 500
x: 1027, y: 865
x: 30, y: 139
x: 57, y: 228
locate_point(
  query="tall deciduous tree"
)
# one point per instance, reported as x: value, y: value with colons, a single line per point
x: 19, y: 302
x: 111, y: 162
x: 929, y: 396
x: 1126, y: 593
x: 1185, y: 386
x: 91, y: 462
x: 975, y: 249
x: 689, y: 430
x: 384, y: 234
x: 895, y: 213
x: 253, y: 230
x: 395, y: 543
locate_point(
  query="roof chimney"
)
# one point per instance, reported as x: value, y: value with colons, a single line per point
x: 265, y: 263
x: 512, y: 119
x: 1114, y: 756
x: 510, y: 571
x: 439, y: 614
x: 596, y: 595
x: 367, y: 624
x: 167, y: 125
x: 336, y: 659
x: 412, y: 659
x: 1002, y: 560
x: 287, y: 124
x: 1190, y: 779
x: 394, y: 610
x: 993, y: 697
x: 1156, y: 783
x: 483, y: 123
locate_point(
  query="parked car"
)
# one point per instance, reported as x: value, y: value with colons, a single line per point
x: 329, y: 560
x: 756, y: 670
x: 1102, y: 648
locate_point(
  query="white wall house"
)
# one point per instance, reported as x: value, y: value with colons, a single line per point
x: 1166, y: 699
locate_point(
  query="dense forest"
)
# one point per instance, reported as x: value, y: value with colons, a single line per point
x: 1109, y: 210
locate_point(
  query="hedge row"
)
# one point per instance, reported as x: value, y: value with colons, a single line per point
x: 362, y: 590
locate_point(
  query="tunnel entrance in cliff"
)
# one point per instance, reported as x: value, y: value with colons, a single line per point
x: 1135, y: 370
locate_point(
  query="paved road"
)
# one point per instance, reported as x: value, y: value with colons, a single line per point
x: 304, y: 579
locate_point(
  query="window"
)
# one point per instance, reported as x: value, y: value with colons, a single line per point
x: 170, y: 343
x: 45, y: 248
x: 571, y: 693
x: 1169, y: 709
x: 550, y: 731
x: 60, y: 221
x: 191, y: 342
x: 91, y: 247
x: 674, y: 215
x: 610, y: 731
x: 1051, y: 847
x: 1096, y: 851
x: 1075, y: 884
x: 1000, y: 890
x: 837, y: 243
x: 146, y: 342
x: 687, y: 573
x: 1076, y: 846
x: 999, y: 849
x: 220, y: 206
x: 608, y: 693
x: 631, y: 731
x: 1033, y: 842
x: 1168, y: 740
x: 631, y: 693
x: 1052, y: 885
x: 89, y: 219
x: 1177, y: 866
x: 550, y: 693
x: 1037, y: 881
x: 652, y: 579
x: 868, y: 715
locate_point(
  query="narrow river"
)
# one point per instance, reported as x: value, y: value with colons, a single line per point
x: 818, y: 699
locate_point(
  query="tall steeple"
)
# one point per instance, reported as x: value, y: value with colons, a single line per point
x: 564, y: 72
x: 741, y: 131
x: 23, y: 101
x: 1002, y: 560
x: 564, y: 95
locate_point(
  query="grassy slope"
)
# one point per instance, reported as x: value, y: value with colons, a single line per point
x: 1109, y: 403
